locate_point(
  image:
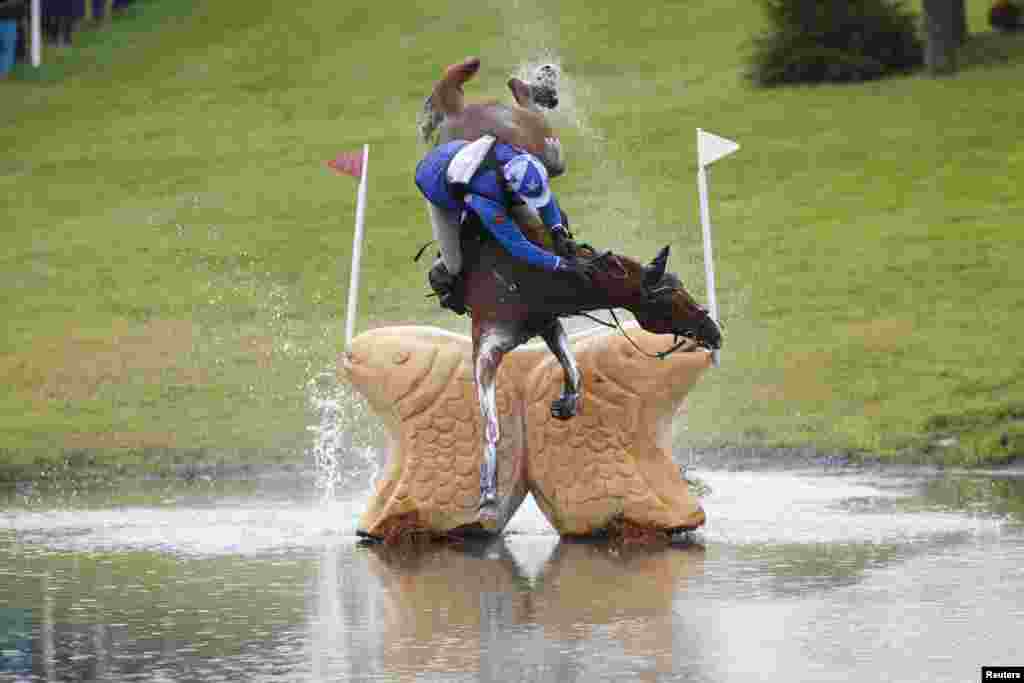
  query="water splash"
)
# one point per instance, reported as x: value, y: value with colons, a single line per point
x: 342, y: 452
x: 573, y: 93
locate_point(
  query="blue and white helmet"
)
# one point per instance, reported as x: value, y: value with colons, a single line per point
x: 527, y: 177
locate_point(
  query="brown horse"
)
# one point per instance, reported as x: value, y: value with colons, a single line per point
x: 511, y: 302
x: 448, y: 117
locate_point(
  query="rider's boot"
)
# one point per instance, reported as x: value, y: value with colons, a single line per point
x: 447, y: 288
x: 544, y: 88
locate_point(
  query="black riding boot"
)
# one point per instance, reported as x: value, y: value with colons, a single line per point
x: 447, y: 287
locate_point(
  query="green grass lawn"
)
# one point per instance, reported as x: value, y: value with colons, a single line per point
x: 176, y: 255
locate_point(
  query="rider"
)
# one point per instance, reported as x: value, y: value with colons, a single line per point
x: 490, y: 179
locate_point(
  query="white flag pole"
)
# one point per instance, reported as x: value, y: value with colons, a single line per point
x: 709, y: 259
x: 357, y: 248
x: 710, y: 148
x: 35, y: 22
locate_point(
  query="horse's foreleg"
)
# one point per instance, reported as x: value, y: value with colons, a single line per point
x: 488, y: 350
x: 565, y: 406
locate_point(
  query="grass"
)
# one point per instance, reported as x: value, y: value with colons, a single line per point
x: 175, y: 253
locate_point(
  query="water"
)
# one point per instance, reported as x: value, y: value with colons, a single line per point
x: 808, y: 574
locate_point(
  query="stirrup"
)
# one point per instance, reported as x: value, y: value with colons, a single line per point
x: 453, y: 302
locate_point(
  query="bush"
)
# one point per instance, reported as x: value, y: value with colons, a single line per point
x: 1005, y: 15
x: 811, y: 41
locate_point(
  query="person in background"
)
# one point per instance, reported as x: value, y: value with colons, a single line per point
x: 11, y: 12
x: 59, y: 19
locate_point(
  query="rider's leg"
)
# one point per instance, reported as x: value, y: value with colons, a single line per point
x: 444, y: 274
x: 447, y: 231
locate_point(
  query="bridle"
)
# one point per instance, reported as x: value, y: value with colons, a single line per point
x: 651, y: 293
x: 660, y: 355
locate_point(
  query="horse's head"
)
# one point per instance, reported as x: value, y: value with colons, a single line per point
x: 665, y: 307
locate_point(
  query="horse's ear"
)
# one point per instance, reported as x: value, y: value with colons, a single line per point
x: 655, y: 270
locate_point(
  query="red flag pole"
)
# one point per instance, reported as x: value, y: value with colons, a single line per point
x: 357, y: 248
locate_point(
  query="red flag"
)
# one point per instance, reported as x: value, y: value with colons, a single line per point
x: 349, y: 163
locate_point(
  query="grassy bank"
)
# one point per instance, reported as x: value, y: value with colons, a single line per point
x: 176, y: 254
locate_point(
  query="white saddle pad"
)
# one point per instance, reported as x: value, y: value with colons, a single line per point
x: 467, y: 160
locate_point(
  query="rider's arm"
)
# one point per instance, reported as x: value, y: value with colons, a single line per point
x: 497, y: 220
x: 551, y: 214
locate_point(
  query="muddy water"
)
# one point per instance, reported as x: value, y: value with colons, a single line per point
x: 800, y: 575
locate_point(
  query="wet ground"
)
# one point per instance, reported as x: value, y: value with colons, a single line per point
x: 803, y: 573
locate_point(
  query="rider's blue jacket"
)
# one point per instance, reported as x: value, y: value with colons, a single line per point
x: 486, y: 197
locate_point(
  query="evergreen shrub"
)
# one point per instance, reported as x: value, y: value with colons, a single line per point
x: 813, y: 41
x: 1005, y: 15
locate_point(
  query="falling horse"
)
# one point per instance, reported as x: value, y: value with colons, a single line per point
x: 446, y: 116
x: 511, y: 302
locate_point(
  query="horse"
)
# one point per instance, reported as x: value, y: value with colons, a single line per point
x: 511, y: 302
x: 446, y: 116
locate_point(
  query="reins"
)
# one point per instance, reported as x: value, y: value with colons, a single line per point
x: 650, y: 294
x: 618, y: 325
x: 416, y: 258
x: 678, y: 341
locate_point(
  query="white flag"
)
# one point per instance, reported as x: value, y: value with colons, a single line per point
x: 711, y: 148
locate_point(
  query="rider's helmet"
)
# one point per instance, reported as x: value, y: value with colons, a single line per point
x: 527, y: 178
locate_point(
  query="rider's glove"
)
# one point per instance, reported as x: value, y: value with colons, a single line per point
x: 562, y: 239
x: 584, y: 269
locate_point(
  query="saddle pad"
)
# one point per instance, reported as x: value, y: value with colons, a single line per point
x: 467, y: 160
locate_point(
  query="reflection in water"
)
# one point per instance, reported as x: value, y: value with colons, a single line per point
x: 472, y: 608
x: 801, y: 576
x: 992, y: 495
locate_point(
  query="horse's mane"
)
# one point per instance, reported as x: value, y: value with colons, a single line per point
x: 618, y: 265
x: 477, y: 241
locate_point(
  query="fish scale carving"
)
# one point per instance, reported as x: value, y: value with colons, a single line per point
x: 610, y: 460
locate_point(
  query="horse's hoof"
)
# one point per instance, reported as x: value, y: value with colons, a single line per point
x: 487, y: 512
x: 565, y: 407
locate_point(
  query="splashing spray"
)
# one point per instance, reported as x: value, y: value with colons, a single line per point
x: 544, y: 67
x: 341, y: 452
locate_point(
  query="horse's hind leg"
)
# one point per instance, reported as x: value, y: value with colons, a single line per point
x: 566, y: 405
x: 489, y: 347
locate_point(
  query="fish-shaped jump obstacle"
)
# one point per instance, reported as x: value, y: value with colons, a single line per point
x: 612, y: 463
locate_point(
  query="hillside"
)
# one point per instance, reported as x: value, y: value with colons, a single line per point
x: 176, y: 254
